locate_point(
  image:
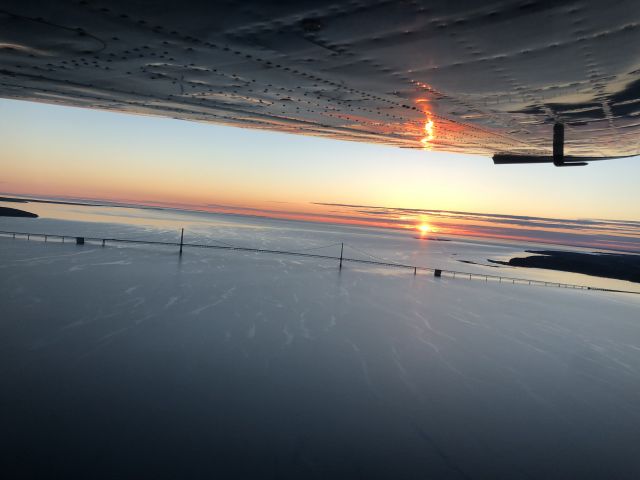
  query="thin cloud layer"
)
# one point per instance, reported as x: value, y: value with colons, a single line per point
x: 590, y: 233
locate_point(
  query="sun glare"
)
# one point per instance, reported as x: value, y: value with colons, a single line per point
x: 424, y: 228
x: 429, y: 134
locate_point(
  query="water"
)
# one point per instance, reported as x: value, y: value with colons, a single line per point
x: 130, y: 362
x: 405, y: 247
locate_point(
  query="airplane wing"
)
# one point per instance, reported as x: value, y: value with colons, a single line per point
x: 478, y: 77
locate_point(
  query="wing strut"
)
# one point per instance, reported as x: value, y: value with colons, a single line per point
x: 558, y: 159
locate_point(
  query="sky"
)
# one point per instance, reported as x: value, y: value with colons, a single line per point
x: 84, y: 153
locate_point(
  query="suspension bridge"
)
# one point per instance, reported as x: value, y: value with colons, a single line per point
x: 306, y: 252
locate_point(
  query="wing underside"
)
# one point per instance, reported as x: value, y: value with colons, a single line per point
x: 486, y: 78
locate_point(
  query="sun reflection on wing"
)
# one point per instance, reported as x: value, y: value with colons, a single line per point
x: 429, y: 134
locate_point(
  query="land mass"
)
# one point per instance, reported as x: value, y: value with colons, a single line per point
x: 54, y: 202
x: 14, y: 212
x: 433, y: 239
x: 11, y: 199
x: 476, y: 263
x: 619, y: 266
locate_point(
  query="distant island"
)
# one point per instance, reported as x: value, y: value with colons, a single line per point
x: 433, y: 239
x: 11, y: 199
x: 14, y: 212
x: 620, y: 266
x: 476, y: 263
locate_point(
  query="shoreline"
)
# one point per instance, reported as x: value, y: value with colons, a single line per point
x: 16, y: 213
x: 618, y: 266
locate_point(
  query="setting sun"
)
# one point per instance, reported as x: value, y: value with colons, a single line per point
x: 424, y: 228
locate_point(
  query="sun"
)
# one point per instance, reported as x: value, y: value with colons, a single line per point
x: 424, y: 228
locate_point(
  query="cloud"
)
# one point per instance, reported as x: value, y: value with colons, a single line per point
x: 590, y: 233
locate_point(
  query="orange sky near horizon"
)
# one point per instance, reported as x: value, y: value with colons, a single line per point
x: 423, y: 224
x: 62, y: 151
